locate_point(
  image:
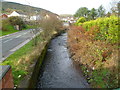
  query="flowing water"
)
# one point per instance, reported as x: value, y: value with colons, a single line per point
x: 58, y: 70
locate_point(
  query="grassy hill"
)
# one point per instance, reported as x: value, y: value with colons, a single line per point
x: 8, y: 7
x: 66, y: 15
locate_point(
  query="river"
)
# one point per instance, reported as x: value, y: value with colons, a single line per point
x: 58, y: 70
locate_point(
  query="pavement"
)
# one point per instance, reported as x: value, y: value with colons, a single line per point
x: 12, y: 42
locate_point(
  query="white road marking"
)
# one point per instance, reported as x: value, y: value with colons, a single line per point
x: 7, y: 40
x: 18, y: 36
x: 20, y: 45
x: 25, y: 33
x: 17, y: 47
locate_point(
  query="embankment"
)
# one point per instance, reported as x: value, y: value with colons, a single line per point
x: 30, y: 80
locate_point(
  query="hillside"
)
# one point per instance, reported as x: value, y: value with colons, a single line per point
x: 8, y: 7
x: 66, y: 15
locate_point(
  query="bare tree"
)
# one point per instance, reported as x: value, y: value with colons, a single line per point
x: 50, y: 24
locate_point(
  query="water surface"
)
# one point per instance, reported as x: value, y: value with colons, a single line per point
x: 58, y: 70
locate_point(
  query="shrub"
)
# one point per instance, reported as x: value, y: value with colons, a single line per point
x: 6, y: 26
x: 107, y: 27
x: 81, y: 20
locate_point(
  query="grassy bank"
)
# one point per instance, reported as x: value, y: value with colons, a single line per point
x: 21, y: 61
x: 9, y: 29
x: 7, y: 32
x: 96, y: 52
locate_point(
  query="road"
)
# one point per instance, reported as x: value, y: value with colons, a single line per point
x: 11, y: 43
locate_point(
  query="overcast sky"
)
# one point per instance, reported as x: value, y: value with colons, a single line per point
x: 65, y: 6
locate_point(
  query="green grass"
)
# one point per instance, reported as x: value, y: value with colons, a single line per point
x: 12, y: 30
x: 22, y: 51
x: 9, y: 29
x: 7, y: 32
x: 16, y: 71
x: 22, y: 59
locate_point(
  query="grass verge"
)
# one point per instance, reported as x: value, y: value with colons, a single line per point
x: 6, y: 33
x: 12, y: 30
x: 22, y: 59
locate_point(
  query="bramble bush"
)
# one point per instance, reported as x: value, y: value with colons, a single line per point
x: 107, y: 28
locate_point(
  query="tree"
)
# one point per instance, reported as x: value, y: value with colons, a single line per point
x: 108, y: 14
x: 101, y: 11
x: 93, y: 14
x: 15, y: 20
x: 50, y: 26
x: 82, y: 12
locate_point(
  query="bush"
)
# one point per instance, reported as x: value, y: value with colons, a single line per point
x: 81, y: 20
x: 107, y: 28
x: 6, y: 26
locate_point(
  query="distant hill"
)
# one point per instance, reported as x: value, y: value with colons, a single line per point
x: 66, y: 15
x: 8, y: 7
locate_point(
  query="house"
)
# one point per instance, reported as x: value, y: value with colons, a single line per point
x: 35, y: 17
x: 68, y: 19
x: 25, y: 17
x: 15, y: 13
x: 19, y: 14
x: 3, y: 16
